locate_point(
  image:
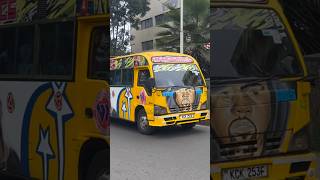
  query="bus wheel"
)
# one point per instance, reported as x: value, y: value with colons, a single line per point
x: 99, y: 168
x: 188, y: 126
x: 143, y: 123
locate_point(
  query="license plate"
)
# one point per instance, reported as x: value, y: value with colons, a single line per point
x: 186, y: 116
x: 245, y: 172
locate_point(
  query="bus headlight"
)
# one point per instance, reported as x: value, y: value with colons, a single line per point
x: 159, y: 110
x: 203, y: 106
x: 300, y: 140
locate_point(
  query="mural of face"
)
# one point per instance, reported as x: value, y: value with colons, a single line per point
x: 185, y: 98
x: 241, y: 113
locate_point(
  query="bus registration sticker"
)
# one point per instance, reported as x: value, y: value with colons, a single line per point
x: 245, y: 172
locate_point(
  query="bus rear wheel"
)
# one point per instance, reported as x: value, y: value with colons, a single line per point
x: 143, y: 123
x: 99, y: 168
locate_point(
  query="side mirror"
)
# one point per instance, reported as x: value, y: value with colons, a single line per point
x: 149, y: 85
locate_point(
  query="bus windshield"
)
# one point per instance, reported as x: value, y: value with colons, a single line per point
x: 171, y: 75
x: 248, y: 42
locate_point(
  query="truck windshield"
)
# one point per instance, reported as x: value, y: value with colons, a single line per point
x: 171, y: 75
x: 248, y: 42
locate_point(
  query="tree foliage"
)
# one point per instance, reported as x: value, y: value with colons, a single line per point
x: 123, y: 14
x: 196, y: 31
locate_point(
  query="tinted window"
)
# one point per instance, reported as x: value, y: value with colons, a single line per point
x: 7, y: 43
x: 24, y: 51
x: 99, y: 54
x: 146, y: 23
x: 147, y: 45
x: 161, y: 19
x: 184, y: 75
x: 127, y: 77
x: 115, y: 78
x: 143, y: 76
x: 250, y: 42
x: 121, y: 77
x: 56, y: 49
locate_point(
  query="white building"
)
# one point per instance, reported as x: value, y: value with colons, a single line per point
x: 145, y: 37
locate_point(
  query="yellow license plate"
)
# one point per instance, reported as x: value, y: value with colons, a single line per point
x: 245, y: 172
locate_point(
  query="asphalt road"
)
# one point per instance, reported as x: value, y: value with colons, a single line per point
x: 170, y: 154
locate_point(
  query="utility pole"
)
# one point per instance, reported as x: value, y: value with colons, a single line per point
x: 181, y: 26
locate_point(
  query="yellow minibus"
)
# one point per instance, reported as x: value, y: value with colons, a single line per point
x: 157, y: 89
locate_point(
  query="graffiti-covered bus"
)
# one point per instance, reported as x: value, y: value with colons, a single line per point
x: 260, y: 112
x: 157, y: 89
x: 54, y: 92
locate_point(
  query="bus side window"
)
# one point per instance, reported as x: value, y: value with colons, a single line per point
x: 99, y: 54
x: 143, y: 76
x: 115, y: 77
x: 25, y: 50
x: 7, y: 43
x: 127, y: 77
x: 56, y: 48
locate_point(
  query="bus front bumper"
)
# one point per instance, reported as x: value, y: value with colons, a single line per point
x: 180, y: 118
x: 287, y: 167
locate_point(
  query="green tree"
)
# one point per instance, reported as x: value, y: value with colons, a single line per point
x: 196, y: 32
x: 123, y: 14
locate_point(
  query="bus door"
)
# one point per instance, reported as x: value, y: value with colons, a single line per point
x: 142, y: 93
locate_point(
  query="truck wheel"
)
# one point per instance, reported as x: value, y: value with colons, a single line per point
x: 143, y: 123
x: 188, y: 126
x: 99, y: 168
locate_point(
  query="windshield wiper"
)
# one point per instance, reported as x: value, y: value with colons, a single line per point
x: 167, y: 87
x: 254, y: 82
x: 225, y: 80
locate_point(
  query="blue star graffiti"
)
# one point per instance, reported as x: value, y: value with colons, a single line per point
x: 60, y: 109
x: 129, y: 96
x: 45, y: 150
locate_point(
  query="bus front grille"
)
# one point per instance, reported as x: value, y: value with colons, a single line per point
x: 183, y: 109
x: 235, y: 148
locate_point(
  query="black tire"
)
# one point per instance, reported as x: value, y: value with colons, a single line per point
x: 143, y: 123
x: 99, y: 168
x: 188, y: 126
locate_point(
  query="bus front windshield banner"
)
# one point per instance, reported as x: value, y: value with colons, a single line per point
x: 182, y: 75
x: 250, y: 42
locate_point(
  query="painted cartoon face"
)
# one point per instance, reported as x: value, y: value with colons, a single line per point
x: 101, y: 110
x: 185, y: 98
x: 58, y: 100
x: 241, y: 113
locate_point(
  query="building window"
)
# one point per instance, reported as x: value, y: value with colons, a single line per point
x: 146, y: 23
x: 171, y: 3
x: 161, y: 19
x: 147, y: 45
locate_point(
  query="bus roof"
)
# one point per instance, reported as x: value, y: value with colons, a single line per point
x: 149, y: 57
x: 149, y: 54
x: 23, y: 11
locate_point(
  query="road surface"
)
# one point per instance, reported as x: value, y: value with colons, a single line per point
x: 170, y: 154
